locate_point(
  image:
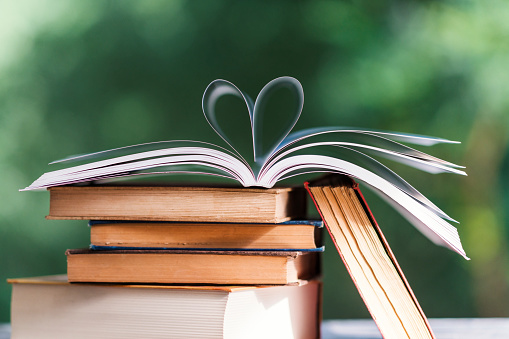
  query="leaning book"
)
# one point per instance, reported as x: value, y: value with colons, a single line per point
x: 84, y: 311
x: 369, y: 259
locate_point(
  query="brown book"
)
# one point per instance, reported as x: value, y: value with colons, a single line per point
x: 369, y: 259
x: 287, y: 235
x: 50, y: 307
x: 192, y: 267
x: 167, y: 203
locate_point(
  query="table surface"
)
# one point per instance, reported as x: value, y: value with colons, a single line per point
x: 459, y: 328
x: 462, y: 328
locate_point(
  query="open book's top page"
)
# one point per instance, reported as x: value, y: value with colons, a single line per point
x: 348, y: 151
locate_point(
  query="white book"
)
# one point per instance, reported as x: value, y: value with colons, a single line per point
x: 50, y: 307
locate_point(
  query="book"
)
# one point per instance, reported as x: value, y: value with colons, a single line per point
x: 192, y: 267
x: 173, y: 203
x: 369, y: 259
x: 83, y: 311
x: 290, y: 235
x: 330, y: 149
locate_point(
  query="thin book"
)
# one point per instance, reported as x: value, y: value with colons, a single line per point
x: 303, y: 235
x: 192, y: 267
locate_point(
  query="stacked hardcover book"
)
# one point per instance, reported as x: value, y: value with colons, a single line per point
x: 179, y: 262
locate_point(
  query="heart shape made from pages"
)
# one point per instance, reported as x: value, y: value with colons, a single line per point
x: 257, y: 112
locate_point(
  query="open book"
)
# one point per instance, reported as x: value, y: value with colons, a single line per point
x: 331, y: 149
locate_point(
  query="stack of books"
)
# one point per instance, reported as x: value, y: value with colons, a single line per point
x: 179, y: 262
x: 170, y: 268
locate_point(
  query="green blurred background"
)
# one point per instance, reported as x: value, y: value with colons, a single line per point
x: 83, y: 76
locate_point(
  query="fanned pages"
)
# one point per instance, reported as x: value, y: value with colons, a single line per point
x: 346, y: 151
